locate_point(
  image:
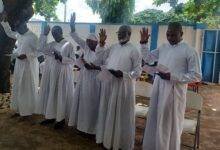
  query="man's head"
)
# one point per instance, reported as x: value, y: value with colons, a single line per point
x: 57, y: 33
x: 21, y: 28
x: 174, y: 33
x: 92, y: 41
x: 124, y: 34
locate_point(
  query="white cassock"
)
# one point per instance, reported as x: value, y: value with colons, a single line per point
x: 168, y: 99
x: 84, y: 111
x: 116, y: 122
x: 46, y: 49
x: 61, y: 85
x: 66, y: 82
x: 26, y: 73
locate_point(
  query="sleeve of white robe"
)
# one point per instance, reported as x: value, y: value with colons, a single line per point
x: 42, y: 42
x: 100, y: 54
x: 8, y: 30
x: 70, y: 57
x: 31, y: 47
x: 149, y: 56
x: 136, y: 59
x: 194, y: 69
x: 78, y: 40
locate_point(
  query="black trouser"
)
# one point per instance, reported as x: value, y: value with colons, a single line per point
x: 5, y: 62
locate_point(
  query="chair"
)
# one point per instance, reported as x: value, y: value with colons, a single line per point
x: 194, y: 86
x: 192, y: 126
x: 142, y: 89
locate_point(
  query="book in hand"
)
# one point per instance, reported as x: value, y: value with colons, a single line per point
x: 155, y: 69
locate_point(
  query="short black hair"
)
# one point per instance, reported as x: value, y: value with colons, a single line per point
x: 175, y: 25
x: 125, y: 28
x: 58, y: 28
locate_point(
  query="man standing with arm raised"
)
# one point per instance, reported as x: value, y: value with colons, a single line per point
x: 168, y: 99
x: 84, y: 112
x: 116, y: 124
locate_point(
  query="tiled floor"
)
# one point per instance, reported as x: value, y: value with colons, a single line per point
x: 22, y: 135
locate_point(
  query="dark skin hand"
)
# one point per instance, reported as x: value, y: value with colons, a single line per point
x: 75, y: 66
x: 77, y: 56
x: 102, y: 37
x: 116, y: 73
x: 58, y: 56
x: 91, y: 66
x: 22, y: 57
x: 88, y: 66
x: 144, y: 35
x: 164, y: 76
x: 95, y: 67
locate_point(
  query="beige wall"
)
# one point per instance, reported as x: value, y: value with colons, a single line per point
x: 191, y: 36
x: 112, y: 36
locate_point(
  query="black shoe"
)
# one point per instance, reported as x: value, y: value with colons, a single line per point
x: 15, y: 115
x: 59, y: 125
x: 25, y: 118
x: 48, y: 121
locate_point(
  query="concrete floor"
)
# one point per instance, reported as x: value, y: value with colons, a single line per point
x: 17, y: 134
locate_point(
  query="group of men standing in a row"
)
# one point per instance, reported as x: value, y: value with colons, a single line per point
x: 103, y: 102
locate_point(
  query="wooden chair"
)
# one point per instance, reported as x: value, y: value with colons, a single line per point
x: 192, y: 126
x: 142, y: 89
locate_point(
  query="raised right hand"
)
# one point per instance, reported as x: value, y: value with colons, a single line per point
x: 46, y: 30
x: 102, y: 37
x: 144, y: 35
x: 72, y: 22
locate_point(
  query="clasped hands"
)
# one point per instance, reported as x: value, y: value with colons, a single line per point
x: 22, y: 57
x: 91, y: 66
x: 164, y: 76
x: 58, y: 56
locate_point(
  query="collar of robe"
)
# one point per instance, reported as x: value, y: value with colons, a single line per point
x: 124, y: 43
x: 60, y: 40
x: 177, y: 44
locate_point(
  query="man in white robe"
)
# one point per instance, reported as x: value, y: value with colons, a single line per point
x: 168, y: 99
x: 26, y: 71
x: 57, y: 85
x: 47, y: 50
x: 84, y: 112
x: 116, y: 122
